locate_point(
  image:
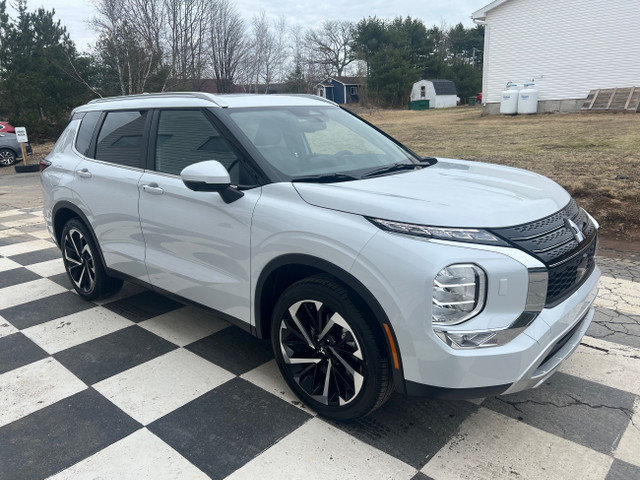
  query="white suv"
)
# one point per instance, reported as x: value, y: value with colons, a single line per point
x: 370, y: 268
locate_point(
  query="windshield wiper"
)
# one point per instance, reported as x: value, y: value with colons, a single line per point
x: 397, y: 167
x: 325, y: 178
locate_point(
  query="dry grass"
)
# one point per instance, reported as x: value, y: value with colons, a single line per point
x: 40, y: 151
x: 596, y: 157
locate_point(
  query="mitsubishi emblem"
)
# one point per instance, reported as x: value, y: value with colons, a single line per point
x: 574, y: 229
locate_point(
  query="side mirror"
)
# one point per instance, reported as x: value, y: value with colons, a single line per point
x: 210, y: 176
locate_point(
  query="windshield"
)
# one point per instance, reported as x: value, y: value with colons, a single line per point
x: 315, y: 141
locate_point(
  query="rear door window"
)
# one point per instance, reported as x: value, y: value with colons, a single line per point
x: 121, y: 138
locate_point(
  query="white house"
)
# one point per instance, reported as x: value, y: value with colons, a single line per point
x: 566, y: 47
x: 440, y: 93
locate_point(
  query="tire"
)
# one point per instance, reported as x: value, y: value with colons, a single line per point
x: 83, y: 264
x: 34, y: 167
x: 7, y: 157
x: 327, y: 349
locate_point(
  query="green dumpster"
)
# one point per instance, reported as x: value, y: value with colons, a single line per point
x: 419, y: 105
x: 471, y: 100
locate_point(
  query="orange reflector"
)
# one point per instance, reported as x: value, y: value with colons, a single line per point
x: 394, y: 352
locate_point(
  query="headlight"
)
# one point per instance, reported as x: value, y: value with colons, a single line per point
x: 470, y: 235
x: 459, y: 293
x: 536, y: 297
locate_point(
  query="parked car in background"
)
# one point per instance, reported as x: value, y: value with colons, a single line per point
x: 479, y: 98
x: 10, y: 151
x: 6, y: 127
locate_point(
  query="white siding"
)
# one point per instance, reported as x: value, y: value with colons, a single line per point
x: 435, y: 101
x: 430, y: 92
x: 567, y: 47
x: 446, y: 101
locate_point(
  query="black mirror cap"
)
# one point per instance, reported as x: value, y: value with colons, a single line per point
x: 205, y: 187
x: 228, y: 193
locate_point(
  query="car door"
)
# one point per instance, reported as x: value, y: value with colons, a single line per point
x: 197, y: 246
x: 106, y: 187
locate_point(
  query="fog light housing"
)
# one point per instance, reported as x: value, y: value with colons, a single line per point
x: 460, y: 340
x: 459, y: 293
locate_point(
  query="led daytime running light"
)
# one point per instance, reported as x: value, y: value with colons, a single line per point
x: 471, y: 235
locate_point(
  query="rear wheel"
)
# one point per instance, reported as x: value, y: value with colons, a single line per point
x: 83, y: 264
x: 7, y: 157
x: 327, y: 350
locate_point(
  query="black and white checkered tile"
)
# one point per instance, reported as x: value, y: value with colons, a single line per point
x: 140, y: 387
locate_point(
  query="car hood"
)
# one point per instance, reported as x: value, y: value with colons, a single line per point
x: 453, y: 193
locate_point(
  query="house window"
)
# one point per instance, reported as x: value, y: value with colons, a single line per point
x: 423, y: 91
x: 353, y: 90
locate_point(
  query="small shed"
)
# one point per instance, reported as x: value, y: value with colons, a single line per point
x: 440, y: 93
x: 339, y: 89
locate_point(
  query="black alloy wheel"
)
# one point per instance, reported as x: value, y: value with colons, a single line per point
x: 328, y: 351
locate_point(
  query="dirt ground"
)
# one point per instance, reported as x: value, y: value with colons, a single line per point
x: 596, y: 157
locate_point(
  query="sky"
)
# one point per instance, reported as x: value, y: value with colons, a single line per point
x: 74, y: 14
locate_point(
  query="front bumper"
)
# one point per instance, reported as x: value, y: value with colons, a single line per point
x: 534, y: 356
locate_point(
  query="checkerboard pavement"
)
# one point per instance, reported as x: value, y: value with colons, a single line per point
x: 139, y: 386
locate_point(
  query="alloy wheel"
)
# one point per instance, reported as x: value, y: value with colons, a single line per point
x: 7, y: 158
x: 322, y: 353
x: 79, y: 260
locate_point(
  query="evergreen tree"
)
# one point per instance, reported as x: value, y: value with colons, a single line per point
x: 41, y: 75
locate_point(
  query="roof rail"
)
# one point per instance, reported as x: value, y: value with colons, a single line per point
x: 200, y: 95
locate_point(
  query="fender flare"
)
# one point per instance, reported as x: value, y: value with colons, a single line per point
x: 64, y: 204
x: 385, y: 326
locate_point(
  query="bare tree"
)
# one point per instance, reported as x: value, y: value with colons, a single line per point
x: 129, y: 39
x: 331, y: 44
x: 187, y: 31
x: 228, y: 48
x: 268, y: 51
x: 304, y: 72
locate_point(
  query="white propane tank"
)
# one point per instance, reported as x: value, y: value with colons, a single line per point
x: 528, y: 100
x: 509, y: 102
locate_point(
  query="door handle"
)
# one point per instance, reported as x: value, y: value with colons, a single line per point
x: 153, y: 188
x: 84, y: 173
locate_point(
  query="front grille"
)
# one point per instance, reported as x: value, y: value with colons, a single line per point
x: 568, y: 261
x: 565, y: 278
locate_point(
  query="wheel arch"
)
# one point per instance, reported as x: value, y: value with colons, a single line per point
x: 285, y: 270
x: 65, y: 211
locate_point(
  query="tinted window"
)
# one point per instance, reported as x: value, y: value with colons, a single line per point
x: 186, y: 137
x: 85, y: 133
x: 120, y: 139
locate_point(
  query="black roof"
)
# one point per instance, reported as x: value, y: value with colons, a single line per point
x: 343, y: 80
x: 444, y: 87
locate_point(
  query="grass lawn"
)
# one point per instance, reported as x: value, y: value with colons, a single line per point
x: 596, y: 157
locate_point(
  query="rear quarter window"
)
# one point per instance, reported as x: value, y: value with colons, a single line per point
x: 85, y: 133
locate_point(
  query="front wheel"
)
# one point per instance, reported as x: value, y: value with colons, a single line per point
x: 83, y: 264
x: 326, y: 347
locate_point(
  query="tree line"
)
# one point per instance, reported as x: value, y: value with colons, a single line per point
x: 168, y: 45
